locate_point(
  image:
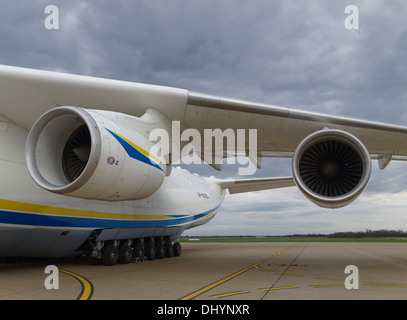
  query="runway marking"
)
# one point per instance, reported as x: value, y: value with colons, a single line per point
x: 222, y: 295
x: 280, y: 273
x: 283, y: 273
x: 326, y: 285
x: 278, y: 288
x: 322, y: 278
x: 234, y: 275
x: 87, y: 286
x: 382, y: 284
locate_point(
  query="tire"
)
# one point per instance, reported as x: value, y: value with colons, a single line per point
x: 160, y: 250
x: 125, y: 254
x: 169, y: 249
x: 139, y: 251
x: 177, y: 249
x: 110, y: 255
x: 150, y: 251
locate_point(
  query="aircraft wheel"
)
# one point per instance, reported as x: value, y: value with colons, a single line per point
x: 177, y: 249
x: 110, y: 255
x: 150, y: 251
x: 160, y: 250
x: 125, y: 254
x: 169, y: 249
x: 139, y: 251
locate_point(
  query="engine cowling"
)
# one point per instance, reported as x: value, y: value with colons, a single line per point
x: 93, y: 154
x: 331, y: 167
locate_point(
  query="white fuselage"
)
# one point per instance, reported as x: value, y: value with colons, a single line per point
x: 35, y: 222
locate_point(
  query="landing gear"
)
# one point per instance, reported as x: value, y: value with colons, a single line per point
x: 110, y: 255
x: 150, y: 250
x: 160, y: 250
x: 177, y: 249
x: 126, y: 251
x: 139, y: 251
x: 169, y: 249
x: 125, y: 254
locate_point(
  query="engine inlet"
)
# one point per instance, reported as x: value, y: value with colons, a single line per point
x: 76, y: 153
x: 331, y: 167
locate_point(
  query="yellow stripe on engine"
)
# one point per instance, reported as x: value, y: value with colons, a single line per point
x: 139, y: 149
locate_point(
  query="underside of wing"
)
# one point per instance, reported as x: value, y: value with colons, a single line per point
x: 248, y: 185
x: 281, y: 129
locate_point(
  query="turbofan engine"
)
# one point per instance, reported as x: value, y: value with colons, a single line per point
x: 95, y: 154
x: 331, y: 167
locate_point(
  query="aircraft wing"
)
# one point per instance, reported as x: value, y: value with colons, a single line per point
x: 249, y: 185
x: 339, y: 147
x: 25, y: 94
x: 281, y: 129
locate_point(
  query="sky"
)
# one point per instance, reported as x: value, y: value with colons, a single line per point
x: 298, y: 54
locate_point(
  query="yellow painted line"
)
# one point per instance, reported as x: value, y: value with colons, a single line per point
x: 266, y: 270
x: 326, y: 285
x: 87, y: 286
x: 234, y: 275
x: 322, y: 278
x: 280, y: 273
x: 228, y: 294
x: 278, y: 288
x: 372, y: 283
x: 395, y: 285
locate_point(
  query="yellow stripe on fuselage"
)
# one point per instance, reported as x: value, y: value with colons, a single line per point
x: 209, y: 215
x: 36, y: 208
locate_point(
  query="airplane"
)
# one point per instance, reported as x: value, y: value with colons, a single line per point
x: 78, y: 175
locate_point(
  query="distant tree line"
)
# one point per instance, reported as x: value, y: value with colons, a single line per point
x: 347, y: 234
x: 358, y: 234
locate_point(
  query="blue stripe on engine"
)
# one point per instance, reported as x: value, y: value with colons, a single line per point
x: 133, y: 152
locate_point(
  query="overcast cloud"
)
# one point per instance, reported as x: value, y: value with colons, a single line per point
x: 291, y: 53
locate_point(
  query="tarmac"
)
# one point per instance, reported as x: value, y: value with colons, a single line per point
x: 223, y: 271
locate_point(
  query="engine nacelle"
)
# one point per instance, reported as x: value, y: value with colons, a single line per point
x: 331, y: 167
x: 95, y: 154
